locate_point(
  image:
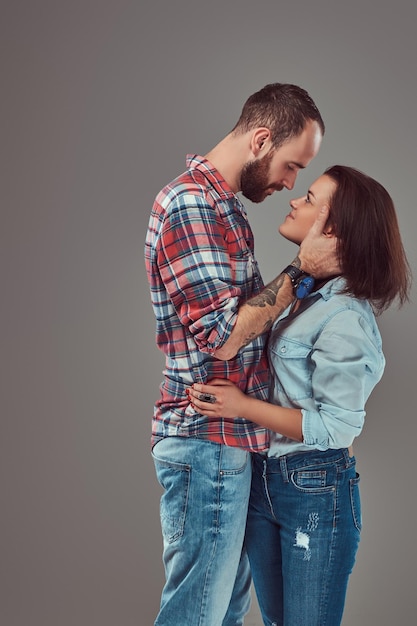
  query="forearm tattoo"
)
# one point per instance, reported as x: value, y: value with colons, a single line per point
x: 268, y: 297
x: 253, y: 335
x: 248, y: 339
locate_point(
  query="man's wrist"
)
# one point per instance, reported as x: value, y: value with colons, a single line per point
x: 294, y: 272
x: 302, y: 283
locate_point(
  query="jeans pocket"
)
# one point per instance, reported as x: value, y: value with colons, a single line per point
x: 174, y: 478
x: 234, y: 461
x: 355, y: 501
x: 313, y: 481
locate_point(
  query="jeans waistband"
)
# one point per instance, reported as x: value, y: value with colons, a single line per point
x: 291, y: 462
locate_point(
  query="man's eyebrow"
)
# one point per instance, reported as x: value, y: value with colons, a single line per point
x: 299, y: 165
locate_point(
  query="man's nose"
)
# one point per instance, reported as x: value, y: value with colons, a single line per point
x: 290, y: 180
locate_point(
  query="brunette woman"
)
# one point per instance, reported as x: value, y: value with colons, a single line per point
x: 325, y: 355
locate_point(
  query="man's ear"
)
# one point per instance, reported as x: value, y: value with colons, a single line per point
x: 261, y: 141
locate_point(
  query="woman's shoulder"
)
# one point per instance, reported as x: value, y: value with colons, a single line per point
x: 334, y: 292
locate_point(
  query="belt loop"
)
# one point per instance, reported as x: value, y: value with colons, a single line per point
x: 284, y: 468
x: 346, y: 455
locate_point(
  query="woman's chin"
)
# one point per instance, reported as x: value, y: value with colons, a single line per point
x: 288, y: 236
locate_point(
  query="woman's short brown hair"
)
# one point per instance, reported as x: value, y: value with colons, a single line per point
x: 371, y: 252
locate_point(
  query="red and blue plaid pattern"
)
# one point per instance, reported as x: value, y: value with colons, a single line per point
x: 200, y: 265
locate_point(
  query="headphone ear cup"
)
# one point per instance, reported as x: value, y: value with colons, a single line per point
x: 304, y: 286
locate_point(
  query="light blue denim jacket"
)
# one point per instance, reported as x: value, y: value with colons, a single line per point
x: 325, y: 359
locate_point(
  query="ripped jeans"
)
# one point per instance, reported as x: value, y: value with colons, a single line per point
x: 302, y: 535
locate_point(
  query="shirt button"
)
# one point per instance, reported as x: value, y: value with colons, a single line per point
x: 283, y: 350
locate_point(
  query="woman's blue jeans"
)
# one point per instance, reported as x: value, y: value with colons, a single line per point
x: 203, y: 517
x: 302, y: 536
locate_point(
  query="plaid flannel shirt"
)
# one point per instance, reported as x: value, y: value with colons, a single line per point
x: 199, y: 257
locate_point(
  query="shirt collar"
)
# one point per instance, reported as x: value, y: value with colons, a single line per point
x: 332, y: 286
x: 196, y: 162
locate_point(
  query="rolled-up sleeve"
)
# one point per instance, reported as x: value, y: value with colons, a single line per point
x: 198, y: 271
x: 347, y: 364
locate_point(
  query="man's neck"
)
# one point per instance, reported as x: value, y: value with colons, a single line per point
x: 229, y: 157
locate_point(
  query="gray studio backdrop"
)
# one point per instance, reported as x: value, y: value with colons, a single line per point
x: 101, y: 101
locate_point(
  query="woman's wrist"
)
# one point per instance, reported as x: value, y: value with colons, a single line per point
x: 250, y: 408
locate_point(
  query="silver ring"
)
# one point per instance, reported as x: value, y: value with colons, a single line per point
x: 207, y: 397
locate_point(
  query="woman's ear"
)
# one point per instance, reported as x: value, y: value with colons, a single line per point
x: 328, y: 232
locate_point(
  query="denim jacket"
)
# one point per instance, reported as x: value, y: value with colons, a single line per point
x: 325, y: 359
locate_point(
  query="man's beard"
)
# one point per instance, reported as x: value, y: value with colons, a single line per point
x: 254, y: 178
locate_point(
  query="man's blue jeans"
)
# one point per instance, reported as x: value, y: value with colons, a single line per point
x: 302, y: 536
x: 203, y: 518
